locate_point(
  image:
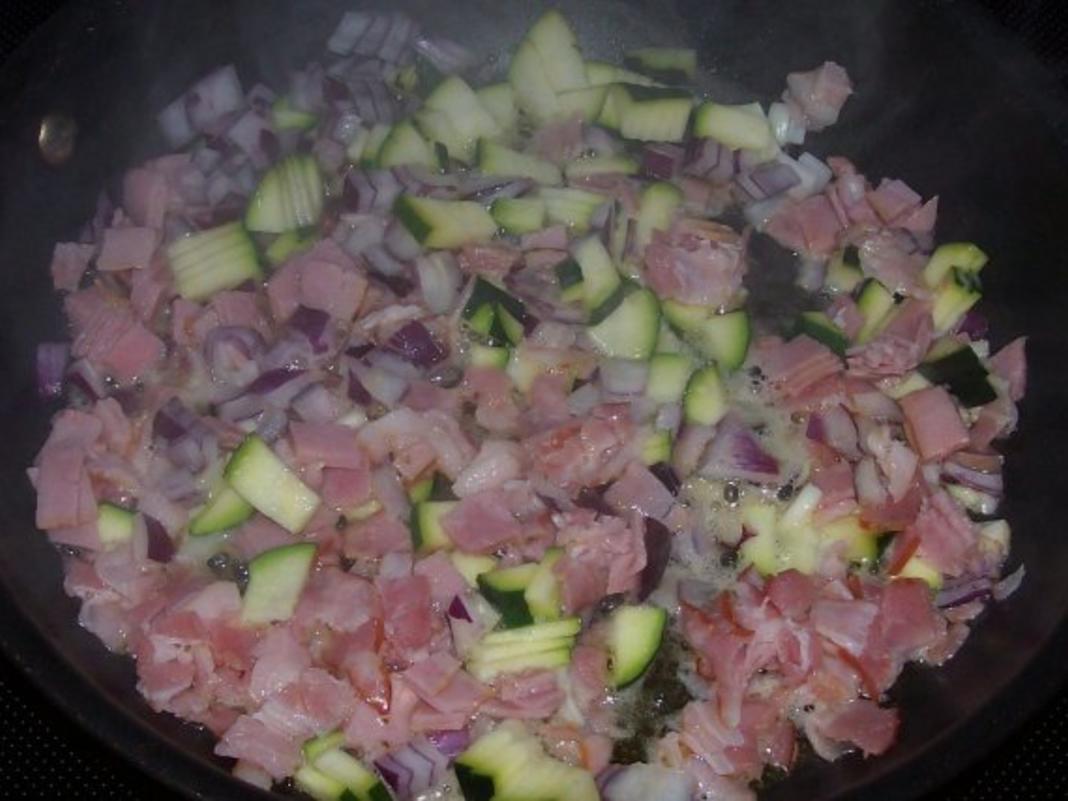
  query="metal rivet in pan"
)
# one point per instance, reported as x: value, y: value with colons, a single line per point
x: 55, y: 138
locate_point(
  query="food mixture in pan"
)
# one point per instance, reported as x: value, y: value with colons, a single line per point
x: 419, y: 442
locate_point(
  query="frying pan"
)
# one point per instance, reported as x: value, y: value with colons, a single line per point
x: 942, y: 101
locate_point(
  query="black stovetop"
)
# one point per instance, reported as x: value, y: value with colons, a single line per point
x: 45, y: 755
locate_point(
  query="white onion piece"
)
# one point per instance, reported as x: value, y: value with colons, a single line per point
x: 385, y: 387
x: 365, y: 233
x: 757, y: 214
x: 390, y: 492
x: 582, y: 400
x: 382, y: 261
x: 641, y: 782
x: 213, y: 98
x: 439, y: 280
x: 668, y: 417
x: 789, y: 129
x: 400, y: 243
x: 175, y: 125
x: 624, y: 376
x: 815, y: 175
x: 348, y: 31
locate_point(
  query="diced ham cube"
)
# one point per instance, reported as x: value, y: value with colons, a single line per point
x: 933, y: 423
x: 127, y: 248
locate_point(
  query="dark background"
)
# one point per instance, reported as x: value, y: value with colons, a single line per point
x: 44, y: 755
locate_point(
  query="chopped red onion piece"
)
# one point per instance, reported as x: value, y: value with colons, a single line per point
x: 1008, y: 585
x: 662, y: 161
x: 974, y: 325
x: 382, y: 262
x: 961, y: 592
x: 736, y: 453
x: 272, y: 423
x: 787, y: 123
x: 400, y: 243
x: 990, y: 483
x: 413, y: 768
x: 175, y: 421
x: 458, y: 610
x: 232, y: 352
x: 439, y: 280
x: 667, y: 475
x: 592, y: 498
x: 657, y: 553
x: 450, y: 743
x: 708, y: 159
x: 767, y: 180
x: 160, y: 545
x: 489, y: 188
x: 689, y: 447
x: 86, y: 379
x: 399, y: 285
x: 582, y: 401
x: 214, y: 99
x: 374, y: 101
x: 313, y: 324
x: 367, y: 191
x: 414, y: 343
x: 624, y: 376
x: 365, y: 232
x: 696, y: 593
x: 385, y: 387
x: 447, y: 57
x: 175, y: 125
x: 51, y: 364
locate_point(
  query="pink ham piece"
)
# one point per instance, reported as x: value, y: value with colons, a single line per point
x: 149, y: 289
x: 345, y: 489
x: 497, y: 462
x: 109, y: 335
x: 845, y: 314
x: 810, y: 226
x: 638, y: 490
x: 251, y: 740
x: 947, y: 538
x: 327, y: 444
x: 445, y: 580
x: 907, y: 619
x: 440, y: 681
x: 493, y: 393
x: 70, y: 260
x: 146, y: 196
x: 582, y: 453
x: 530, y: 695
x: 838, y: 496
x: 933, y: 423
x: 793, y: 367
x: 378, y: 535
x: 1010, y: 365
x: 899, y: 347
x: 820, y: 93
x: 602, y: 556
x: 862, y: 723
x: 408, y: 614
x: 894, y: 200
x: 482, y: 522
x: 892, y: 258
x: 696, y: 262
x: 324, y: 278
x: 127, y: 248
